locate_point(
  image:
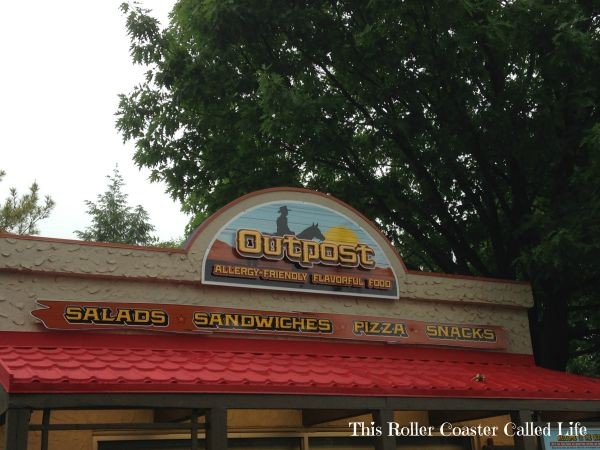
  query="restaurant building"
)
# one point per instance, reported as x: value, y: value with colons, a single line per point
x: 286, y: 321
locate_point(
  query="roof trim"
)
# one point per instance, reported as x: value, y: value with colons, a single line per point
x: 101, y: 363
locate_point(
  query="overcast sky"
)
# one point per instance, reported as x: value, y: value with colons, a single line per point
x: 62, y: 65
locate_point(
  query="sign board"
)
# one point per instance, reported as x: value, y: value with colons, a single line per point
x: 299, y: 246
x: 571, y: 436
x: 68, y: 315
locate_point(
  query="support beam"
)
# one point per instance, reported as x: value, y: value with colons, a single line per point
x: 311, y: 417
x: 381, y: 418
x: 194, y: 429
x: 560, y: 416
x: 521, y: 417
x: 436, y: 418
x: 216, y: 429
x: 274, y: 401
x: 15, y: 433
x: 114, y: 426
x: 166, y: 415
x: 45, y: 431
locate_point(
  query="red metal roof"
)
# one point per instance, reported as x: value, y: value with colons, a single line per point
x: 93, y: 363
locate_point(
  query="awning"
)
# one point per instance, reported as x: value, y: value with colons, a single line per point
x: 81, y: 362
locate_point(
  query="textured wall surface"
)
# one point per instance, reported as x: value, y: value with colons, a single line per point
x: 19, y: 292
x: 18, y: 255
x: 34, y: 268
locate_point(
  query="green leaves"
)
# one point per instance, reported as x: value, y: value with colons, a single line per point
x: 21, y: 214
x: 113, y: 220
x: 144, y: 30
x: 465, y: 129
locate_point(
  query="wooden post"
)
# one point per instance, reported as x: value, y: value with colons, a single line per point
x: 381, y: 418
x: 17, y: 422
x: 523, y: 442
x: 216, y: 429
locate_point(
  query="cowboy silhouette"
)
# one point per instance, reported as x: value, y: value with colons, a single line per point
x: 283, y: 229
x: 282, y: 223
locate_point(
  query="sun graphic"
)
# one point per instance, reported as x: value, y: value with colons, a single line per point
x: 341, y: 234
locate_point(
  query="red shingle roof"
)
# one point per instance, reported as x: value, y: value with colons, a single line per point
x: 93, y: 363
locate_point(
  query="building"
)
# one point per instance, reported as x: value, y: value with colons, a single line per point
x: 287, y: 321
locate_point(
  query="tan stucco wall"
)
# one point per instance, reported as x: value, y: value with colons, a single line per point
x: 184, y: 265
x: 18, y: 254
x: 20, y: 291
x: 48, y: 269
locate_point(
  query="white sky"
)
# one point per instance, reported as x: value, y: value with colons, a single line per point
x: 62, y: 65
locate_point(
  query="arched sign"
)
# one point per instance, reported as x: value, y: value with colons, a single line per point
x: 296, y: 245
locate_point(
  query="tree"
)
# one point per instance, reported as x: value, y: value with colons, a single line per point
x: 470, y: 129
x: 115, y: 221
x: 21, y: 215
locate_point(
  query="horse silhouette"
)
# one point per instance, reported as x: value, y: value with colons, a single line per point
x: 308, y: 233
x: 311, y: 233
